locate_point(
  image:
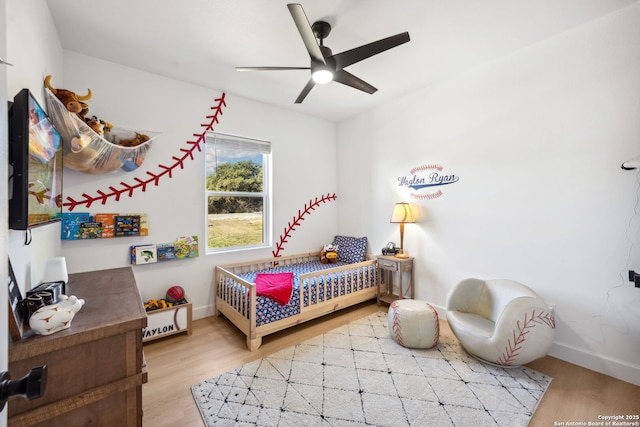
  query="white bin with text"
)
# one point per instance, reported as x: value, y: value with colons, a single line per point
x: 168, y: 321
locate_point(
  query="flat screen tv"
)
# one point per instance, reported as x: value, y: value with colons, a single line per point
x: 35, y: 165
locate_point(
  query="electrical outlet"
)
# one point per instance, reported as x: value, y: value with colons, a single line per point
x: 635, y: 278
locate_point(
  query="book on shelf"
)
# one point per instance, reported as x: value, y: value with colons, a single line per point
x: 90, y: 230
x: 108, y: 225
x: 186, y: 247
x: 71, y: 222
x: 126, y: 225
x: 144, y: 223
x: 83, y: 225
x: 166, y: 252
x: 144, y: 254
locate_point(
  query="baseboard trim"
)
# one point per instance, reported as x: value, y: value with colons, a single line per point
x: 596, y: 362
x: 202, y: 312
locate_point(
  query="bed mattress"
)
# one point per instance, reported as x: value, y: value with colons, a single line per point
x: 268, y: 310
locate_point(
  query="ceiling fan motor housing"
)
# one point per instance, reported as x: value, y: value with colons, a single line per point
x: 328, y: 59
x: 321, y: 30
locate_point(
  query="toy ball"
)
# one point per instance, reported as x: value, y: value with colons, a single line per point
x: 175, y: 294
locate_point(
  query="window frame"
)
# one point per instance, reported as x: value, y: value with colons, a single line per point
x: 262, y: 147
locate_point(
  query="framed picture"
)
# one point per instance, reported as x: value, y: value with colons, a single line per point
x: 16, y: 319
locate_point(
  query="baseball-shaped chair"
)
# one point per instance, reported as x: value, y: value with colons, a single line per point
x: 502, y: 322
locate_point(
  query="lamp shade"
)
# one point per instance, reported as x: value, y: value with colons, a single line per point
x: 402, y: 214
x: 55, y: 270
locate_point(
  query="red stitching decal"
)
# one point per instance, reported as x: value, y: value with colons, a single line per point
x: 437, y: 334
x: 291, y: 226
x: 427, y: 196
x: 153, y: 178
x: 425, y: 167
x: 515, y: 344
x: 397, y: 325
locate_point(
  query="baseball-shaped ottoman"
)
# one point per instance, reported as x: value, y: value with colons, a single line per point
x: 413, y: 323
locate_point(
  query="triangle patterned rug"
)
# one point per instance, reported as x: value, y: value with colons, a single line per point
x: 356, y: 375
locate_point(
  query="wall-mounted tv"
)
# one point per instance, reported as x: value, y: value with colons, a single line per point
x: 35, y: 165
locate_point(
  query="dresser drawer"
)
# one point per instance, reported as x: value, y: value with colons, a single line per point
x: 388, y: 265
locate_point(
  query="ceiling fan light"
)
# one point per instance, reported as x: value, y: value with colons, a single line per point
x: 322, y: 76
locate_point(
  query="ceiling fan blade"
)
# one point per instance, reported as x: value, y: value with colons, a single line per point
x: 304, y: 28
x: 270, y: 68
x: 305, y: 91
x: 357, y: 54
x: 346, y: 78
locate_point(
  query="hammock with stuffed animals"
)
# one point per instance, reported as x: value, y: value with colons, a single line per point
x: 85, y: 150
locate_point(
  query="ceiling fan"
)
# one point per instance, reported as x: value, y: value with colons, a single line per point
x: 325, y: 66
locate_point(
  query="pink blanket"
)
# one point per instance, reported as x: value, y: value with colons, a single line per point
x: 277, y: 286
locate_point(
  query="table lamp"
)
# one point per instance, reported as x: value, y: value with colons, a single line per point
x: 402, y: 215
x: 55, y: 270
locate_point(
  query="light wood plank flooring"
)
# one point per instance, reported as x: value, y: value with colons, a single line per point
x: 216, y: 346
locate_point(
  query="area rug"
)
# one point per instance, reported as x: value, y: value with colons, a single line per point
x: 356, y: 375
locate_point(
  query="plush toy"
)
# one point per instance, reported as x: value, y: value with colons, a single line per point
x: 72, y: 101
x: 138, y: 139
x: 86, y: 160
x: 126, y: 139
x: 75, y: 104
x: 95, y: 124
x: 106, y: 126
x: 329, y: 254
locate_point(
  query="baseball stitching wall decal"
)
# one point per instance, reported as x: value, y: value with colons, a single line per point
x: 424, y: 168
x: 291, y: 226
x: 128, y: 189
x: 426, y: 178
x: 520, y: 332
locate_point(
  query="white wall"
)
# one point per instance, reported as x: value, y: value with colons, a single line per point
x: 138, y: 100
x: 537, y: 139
x: 34, y: 49
x: 29, y: 41
x: 4, y: 238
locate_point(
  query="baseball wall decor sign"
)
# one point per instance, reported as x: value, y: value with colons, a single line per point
x: 426, y: 180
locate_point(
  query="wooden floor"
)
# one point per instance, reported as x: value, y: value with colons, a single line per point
x: 216, y: 346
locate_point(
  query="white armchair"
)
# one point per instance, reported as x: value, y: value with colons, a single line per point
x: 502, y: 322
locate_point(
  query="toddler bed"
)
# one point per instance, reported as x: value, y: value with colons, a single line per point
x: 316, y: 289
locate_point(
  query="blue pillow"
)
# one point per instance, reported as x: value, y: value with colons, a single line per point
x: 351, y: 249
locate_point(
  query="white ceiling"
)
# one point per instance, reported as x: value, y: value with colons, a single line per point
x: 202, y: 41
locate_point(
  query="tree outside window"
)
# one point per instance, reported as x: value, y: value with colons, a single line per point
x: 237, y: 193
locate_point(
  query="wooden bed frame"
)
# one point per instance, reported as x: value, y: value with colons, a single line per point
x: 234, y: 305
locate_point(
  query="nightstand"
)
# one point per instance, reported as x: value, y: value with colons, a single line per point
x: 388, y: 267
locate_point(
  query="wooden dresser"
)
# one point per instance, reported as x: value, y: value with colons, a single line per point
x: 94, y: 367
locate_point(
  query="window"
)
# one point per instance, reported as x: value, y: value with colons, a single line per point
x: 237, y: 192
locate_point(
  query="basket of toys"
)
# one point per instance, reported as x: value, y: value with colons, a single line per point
x: 168, y: 316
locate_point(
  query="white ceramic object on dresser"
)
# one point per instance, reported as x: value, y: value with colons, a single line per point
x: 55, y: 317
